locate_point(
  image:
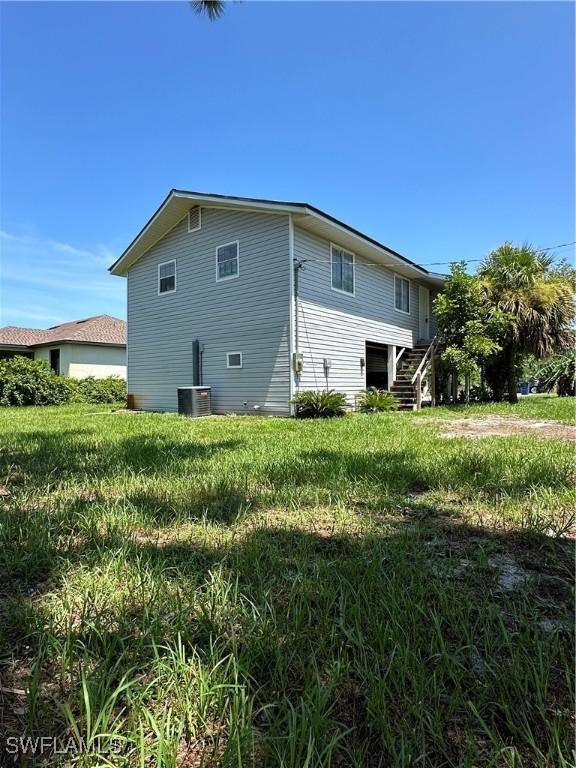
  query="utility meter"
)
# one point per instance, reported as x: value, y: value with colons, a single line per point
x: 297, y: 362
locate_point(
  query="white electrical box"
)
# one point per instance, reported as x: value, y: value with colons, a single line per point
x: 297, y: 362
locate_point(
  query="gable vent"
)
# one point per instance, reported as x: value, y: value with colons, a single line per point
x: 194, y: 219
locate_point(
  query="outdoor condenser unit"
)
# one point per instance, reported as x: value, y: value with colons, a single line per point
x: 194, y: 401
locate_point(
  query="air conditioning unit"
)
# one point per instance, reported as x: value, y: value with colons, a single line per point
x: 194, y: 401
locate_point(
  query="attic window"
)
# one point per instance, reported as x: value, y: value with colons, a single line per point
x: 194, y: 219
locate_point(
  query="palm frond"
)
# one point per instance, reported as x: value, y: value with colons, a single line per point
x: 211, y: 8
x: 526, y: 284
x: 560, y: 371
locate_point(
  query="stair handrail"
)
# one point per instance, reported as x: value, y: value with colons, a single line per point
x: 424, y: 361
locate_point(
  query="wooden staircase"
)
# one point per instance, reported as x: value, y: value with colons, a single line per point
x: 411, y: 376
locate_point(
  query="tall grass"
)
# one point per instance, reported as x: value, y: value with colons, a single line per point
x: 248, y: 591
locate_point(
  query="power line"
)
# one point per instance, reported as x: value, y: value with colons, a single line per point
x: 562, y: 245
x: 430, y: 263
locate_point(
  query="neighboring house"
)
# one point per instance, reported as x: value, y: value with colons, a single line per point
x: 95, y: 346
x: 266, y: 288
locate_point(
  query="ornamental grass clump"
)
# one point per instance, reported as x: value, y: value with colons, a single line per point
x: 315, y: 404
x: 376, y: 401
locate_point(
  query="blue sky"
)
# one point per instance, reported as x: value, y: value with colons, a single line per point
x: 441, y: 129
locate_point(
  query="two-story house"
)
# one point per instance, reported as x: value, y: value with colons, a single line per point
x: 260, y: 299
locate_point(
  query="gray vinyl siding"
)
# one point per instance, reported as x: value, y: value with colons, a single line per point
x: 337, y: 326
x: 249, y: 314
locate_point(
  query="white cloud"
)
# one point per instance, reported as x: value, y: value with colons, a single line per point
x: 48, y: 281
x: 100, y: 255
x: 62, y: 281
x: 13, y: 312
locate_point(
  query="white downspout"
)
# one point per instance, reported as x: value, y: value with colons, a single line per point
x: 391, y: 364
x: 292, y: 314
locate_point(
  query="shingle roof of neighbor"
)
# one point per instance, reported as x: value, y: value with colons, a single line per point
x: 101, y: 329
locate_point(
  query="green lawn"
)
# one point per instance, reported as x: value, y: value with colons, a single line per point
x: 267, y: 592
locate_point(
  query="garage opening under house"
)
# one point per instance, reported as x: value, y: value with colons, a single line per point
x: 376, y: 365
x: 279, y: 297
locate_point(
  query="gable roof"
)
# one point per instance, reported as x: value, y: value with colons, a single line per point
x: 100, y: 329
x: 178, y: 202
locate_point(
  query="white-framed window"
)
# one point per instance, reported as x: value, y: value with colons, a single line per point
x: 342, y: 270
x: 167, y: 277
x: 402, y: 294
x: 233, y: 359
x: 194, y: 219
x: 228, y: 261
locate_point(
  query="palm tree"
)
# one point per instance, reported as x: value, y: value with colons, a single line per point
x: 211, y: 8
x: 538, y: 298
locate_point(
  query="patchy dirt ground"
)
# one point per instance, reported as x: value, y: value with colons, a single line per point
x: 503, y: 426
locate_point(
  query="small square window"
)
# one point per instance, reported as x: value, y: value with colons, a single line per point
x: 402, y: 294
x: 228, y: 261
x: 342, y: 270
x: 167, y: 277
x: 234, y: 359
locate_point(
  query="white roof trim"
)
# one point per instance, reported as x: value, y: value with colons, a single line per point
x: 177, y: 204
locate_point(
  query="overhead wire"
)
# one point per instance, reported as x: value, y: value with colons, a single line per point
x: 303, y: 261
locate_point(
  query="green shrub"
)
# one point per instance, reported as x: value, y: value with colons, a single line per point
x: 31, y: 382
x: 376, y: 400
x: 314, y: 404
x: 90, y: 390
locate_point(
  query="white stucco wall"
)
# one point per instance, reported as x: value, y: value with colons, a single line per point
x: 81, y: 360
